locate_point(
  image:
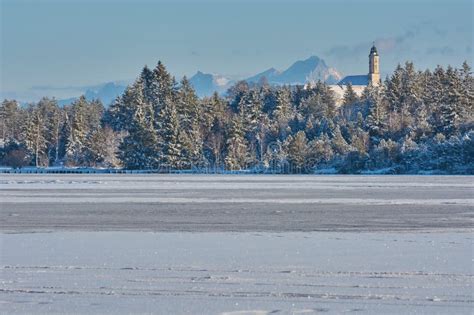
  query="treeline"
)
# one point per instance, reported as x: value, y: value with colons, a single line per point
x: 414, y: 122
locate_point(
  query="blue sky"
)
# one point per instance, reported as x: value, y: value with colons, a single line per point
x: 56, y: 47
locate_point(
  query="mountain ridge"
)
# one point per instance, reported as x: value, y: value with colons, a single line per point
x: 300, y: 72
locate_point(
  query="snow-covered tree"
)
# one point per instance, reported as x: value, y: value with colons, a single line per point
x: 139, y: 148
x: 35, y: 137
x: 298, y: 151
x: 237, y: 155
x: 350, y: 97
x: 78, y: 131
x: 171, y: 138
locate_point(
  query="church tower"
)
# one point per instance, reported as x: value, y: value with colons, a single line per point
x: 374, y: 71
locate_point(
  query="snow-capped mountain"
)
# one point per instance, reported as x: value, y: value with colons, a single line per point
x: 302, y: 71
x: 309, y: 70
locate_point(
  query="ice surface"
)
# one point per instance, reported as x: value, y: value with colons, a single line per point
x: 206, y: 244
x: 237, y: 273
x: 47, y: 202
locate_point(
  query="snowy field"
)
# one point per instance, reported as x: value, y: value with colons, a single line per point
x: 174, y: 244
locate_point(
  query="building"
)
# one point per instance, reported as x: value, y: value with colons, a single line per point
x: 360, y: 82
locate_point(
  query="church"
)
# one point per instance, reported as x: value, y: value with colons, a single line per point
x: 359, y: 82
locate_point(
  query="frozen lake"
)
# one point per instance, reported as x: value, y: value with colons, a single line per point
x: 203, y: 203
x: 205, y: 244
x: 228, y: 273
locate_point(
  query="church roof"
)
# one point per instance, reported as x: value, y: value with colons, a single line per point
x: 355, y: 80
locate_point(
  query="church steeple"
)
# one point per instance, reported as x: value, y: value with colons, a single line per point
x: 374, y: 70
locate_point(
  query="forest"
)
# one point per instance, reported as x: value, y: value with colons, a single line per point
x: 415, y: 122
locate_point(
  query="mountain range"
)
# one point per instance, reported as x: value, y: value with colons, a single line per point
x: 311, y: 69
x: 106, y: 92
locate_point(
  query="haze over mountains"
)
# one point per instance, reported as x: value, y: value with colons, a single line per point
x: 105, y: 92
x: 311, y: 69
x: 300, y: 72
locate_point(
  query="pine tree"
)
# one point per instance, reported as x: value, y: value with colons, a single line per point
x: 376, y: 118
x: 76, y: 141
x: 146, y: 77
x: 190, y: 116
x: 139, y: 149
x: 162, y: 91
x: 283, y: 112
x: 449, y: 108
x: 394, y: 89
x: 237, y: 155
x: 414, y: 120
x: 170, y: 137
x: 350, y: 97
x: 187, y: 105
x: 467, y: 93
x: 10, y: 122
x: 298, y: 151
x: 320, y: 150
x: 116, y: 115
x: 315, y: 106
x: 340, y: 145
x: 250, y: 109
x: 215, y: 118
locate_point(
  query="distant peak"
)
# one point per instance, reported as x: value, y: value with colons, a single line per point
x: 313, y: 58
x: 202, y: 75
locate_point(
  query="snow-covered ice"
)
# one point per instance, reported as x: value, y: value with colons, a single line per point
x: 234, y: 273
x: 203, y: 203
x: 206, y: 244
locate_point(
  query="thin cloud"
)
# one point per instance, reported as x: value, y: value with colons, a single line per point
x: 443, y: 50
x: 385, y: 45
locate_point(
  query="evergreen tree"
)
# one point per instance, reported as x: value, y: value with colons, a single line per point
x: 171, y: 138
x: 146, y: 77
x: 298, y: 151
x: 10, y: 122
x: 339, y: 144
x: 350, y: 96
x: 449, y: 108
x: 415, y: 120
x: 466, y: 97
x: 315, y: 106
x: 215, y: 119
x: 76, y: 140
x: 237, y: 155
x: 187, y: 105
x: 320, y: 150
x: 139, y: 149
x: 161, y: 91
x: 283, y: 112
x: 375, y: 122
